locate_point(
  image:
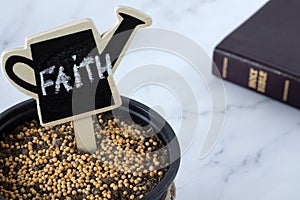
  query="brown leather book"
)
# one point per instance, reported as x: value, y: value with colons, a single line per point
x: 263, y: 54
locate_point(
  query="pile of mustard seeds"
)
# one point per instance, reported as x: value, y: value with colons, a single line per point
x: 44, y: 163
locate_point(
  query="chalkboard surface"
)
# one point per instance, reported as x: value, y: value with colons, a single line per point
x: 69, y: 65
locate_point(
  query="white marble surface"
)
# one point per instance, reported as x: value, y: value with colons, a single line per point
x: 257, y: 156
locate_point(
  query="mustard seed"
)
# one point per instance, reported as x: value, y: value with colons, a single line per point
x: 50, y: 166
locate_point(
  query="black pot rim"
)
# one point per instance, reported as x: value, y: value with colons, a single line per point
x: 12, y: 117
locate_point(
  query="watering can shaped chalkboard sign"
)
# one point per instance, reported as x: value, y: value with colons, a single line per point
x: 74, y: 62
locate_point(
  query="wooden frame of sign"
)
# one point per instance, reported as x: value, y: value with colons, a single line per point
x: 49, y: 55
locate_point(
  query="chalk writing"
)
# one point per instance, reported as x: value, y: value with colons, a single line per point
x: 63, y: 78
x: 48, y: 83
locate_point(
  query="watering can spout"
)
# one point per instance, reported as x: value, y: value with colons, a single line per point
x: 118, y: 39
x: 139, y: 17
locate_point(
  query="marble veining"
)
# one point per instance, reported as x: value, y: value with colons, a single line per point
x: 257, y: 156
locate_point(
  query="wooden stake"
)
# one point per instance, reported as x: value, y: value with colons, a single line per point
x: 85, y: 135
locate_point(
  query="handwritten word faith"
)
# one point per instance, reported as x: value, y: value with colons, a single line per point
x: 63, y: 79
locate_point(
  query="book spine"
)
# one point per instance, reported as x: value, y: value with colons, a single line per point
x: 257, y: 77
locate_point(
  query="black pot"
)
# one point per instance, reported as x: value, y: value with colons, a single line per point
x: 141, y: 114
